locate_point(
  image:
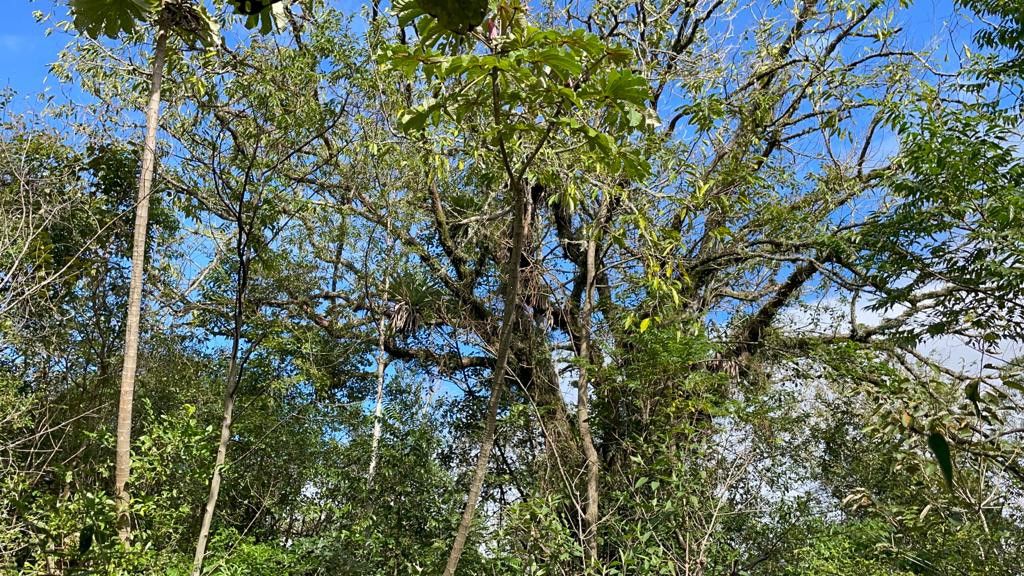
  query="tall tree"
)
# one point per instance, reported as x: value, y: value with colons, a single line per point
x: 112, y: 18
x: 667, y: 287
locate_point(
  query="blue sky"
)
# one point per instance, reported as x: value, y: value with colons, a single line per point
x: 25, y: 51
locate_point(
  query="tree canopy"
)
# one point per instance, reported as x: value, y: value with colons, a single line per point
x: 687, y: 287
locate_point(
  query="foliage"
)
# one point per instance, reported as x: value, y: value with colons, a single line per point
x: 770, y: 275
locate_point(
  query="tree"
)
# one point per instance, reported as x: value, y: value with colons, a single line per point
x: 1003, y: 30
x: 599, y: 288
x: 111, y: 18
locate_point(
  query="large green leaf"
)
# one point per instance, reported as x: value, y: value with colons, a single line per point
x: 110, y: 18
x: 266, y: 14
x: 459, y: 16
x: 252, y: 7
x: 940, y: 448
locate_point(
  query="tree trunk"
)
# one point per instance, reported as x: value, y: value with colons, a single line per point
x: 123, y: 463
x: 583, y: 410
x: 222, y: 450
x: 519, y: 228
x: 378, y: 408
x: 235, y: 364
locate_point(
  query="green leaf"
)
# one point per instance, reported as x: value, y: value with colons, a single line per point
x: 110, y: 18
x: 940, y: 448
x: 458, y: 16
x: 267, y: 14
x: 561, y: 62
x: 415, y: 119
x: 407, y: 11
x: 971, y: 391
x: 253, y: 7
x: 266, y: 23
x: 627, y: 87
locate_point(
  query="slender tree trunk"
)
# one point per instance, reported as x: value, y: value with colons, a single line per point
x: 235, y: 364
x: 583, y: 409
x: 382, y: 361
x: 520, y: 225
x: 123, y: 463
x: 222, y: 450
x: 378, y: 408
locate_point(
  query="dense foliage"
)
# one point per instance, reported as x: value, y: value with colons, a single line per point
x: 693, y: 287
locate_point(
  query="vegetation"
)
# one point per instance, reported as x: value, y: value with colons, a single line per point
x: 679, y: 287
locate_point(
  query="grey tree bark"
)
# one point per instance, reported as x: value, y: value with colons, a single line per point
x: 583, y: 408
x: 123, y: 463
x: 378, y: 407
x: 520, y: 226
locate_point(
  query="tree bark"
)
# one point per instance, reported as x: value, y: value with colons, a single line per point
x: 583, y: 409
x: 122, y: 469
x: 378, y: 408
x: 520, y: 224
x: 222, y: 449
x: 235, y: 364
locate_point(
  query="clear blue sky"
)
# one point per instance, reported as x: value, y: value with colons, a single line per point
x: 25, y: 51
